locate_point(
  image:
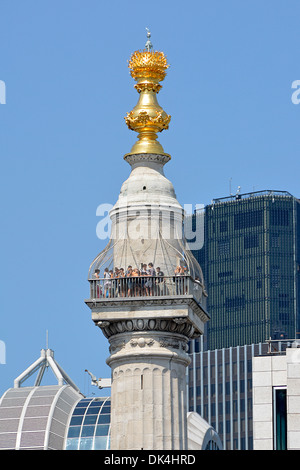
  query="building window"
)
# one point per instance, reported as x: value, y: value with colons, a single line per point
x: 275, y: 240
x: 223, y: 247
x: 248, y: 219
x: 280, y: 418
x: 283, y: 301
x: 223, y: 274
x: 235, y: 302
x: 223, y: 226
x: 251, y: 241
x: 275, y: 276
x: 279, y: 217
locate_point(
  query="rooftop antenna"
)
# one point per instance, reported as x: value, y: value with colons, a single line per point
x: 47, y: 338
x: 238, y: 196
x: 230, y: 179
x: 148, y: 45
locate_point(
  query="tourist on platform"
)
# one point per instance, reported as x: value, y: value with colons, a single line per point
x: 129, y: 281
x: 96, y: 275
x: 121, y: 282
x: 158, y: 281
x: 149, y: 281
x: 107, y: 283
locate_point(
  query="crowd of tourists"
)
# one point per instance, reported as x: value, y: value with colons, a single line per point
x: 134, y: 282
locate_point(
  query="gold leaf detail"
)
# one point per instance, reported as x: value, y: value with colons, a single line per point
x: 161, y: 120
x: 146, y: 64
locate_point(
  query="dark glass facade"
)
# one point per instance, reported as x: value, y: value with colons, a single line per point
x: 280, y: 419
x: 250, y: 260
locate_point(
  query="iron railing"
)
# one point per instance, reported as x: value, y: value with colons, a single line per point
x: 144, y: 286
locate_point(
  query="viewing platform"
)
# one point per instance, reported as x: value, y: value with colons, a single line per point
x: 172, y: 303
x: 105, y: 290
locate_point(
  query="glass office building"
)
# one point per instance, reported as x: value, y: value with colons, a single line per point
x: 250, y: 260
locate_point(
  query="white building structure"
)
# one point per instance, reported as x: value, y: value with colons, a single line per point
x: 276, y: 400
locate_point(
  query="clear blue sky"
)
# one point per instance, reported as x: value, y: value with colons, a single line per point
x: 63, y: 137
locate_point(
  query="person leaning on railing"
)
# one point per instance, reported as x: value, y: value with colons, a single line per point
x: 180, y: 281
x: 98, y: 285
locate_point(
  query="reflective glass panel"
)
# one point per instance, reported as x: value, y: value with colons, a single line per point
x: 87, y: 431
x: 76, y: 420
x: 90, y: 419
x: 79, y: 411
x: 102, y: 430
x: 100, y: 443
x: 86, y: 444
x: 74, y: 431
x: 93, y: 410
x: 280, y: 419
x: 72, y: 444
x: 104, y: 419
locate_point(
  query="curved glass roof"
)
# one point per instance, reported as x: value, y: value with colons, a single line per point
x: 89, y: 427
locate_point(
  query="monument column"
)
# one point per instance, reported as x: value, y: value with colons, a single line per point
x: 148, y: 319
x: 149, y: 385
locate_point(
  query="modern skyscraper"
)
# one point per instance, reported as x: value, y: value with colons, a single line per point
x: 251, y: 265
x: 151, y: 309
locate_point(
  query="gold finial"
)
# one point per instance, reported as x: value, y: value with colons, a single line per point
x: 148, y: 68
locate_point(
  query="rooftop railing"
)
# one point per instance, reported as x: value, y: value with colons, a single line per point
x: 145, y: 286
x: 265, y: 192
x: 279, y: 346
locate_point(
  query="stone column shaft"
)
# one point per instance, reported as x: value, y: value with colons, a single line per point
x: 148, y: 391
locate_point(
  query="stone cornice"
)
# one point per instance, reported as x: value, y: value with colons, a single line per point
x: 98, y: 305
x: 175, y: 326
x: 132, y: 158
